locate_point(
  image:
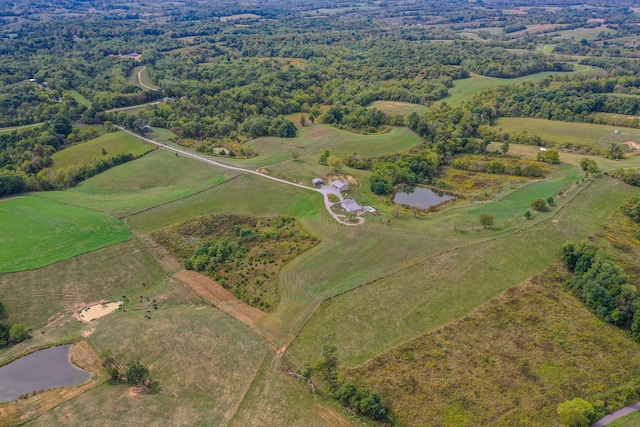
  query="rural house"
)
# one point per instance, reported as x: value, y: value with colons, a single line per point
x: 339, y: 185
x: 350, y: 206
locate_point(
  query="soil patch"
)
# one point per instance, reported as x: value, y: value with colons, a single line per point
x: 96, y: 311
x: 633, y: 145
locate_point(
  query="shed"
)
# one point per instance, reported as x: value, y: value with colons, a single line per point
x: 147, y: 129
x: 350, y: 205
x: 339, y: 185
x: 317, y: 181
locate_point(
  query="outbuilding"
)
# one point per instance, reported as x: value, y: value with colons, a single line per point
x: 340, y: 186
x: 350, y: 206
x: 317, y: 181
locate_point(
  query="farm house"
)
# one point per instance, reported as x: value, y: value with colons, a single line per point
x: 340, y: 186
x: 350, y: 206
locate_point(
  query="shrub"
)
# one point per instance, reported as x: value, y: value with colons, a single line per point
x: 540, y: 205
x: 576, y: 413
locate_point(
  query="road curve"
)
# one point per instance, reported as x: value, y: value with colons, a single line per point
x: 237, y: 169
x: 618, y: 414
x: 140, y: 80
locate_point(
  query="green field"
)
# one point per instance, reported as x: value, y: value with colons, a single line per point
x: 462, y: 89
x: 144, y: 77
x: 583, y: 33
x: 401, y: 108
x: 156, y: 178
x: 113, y: 143
x: 596, y: 137
x: 631, y: 420
x: 81, y: 100
x: 35, y: 232
x: 12, y: 128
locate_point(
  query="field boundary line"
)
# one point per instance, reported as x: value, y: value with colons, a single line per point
x: 124, y: 217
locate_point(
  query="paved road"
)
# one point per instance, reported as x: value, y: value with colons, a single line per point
x: 618, y: 414
x: 238, y: 169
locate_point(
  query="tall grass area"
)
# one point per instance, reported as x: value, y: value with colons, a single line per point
x: 112, y: 144
x: 35, y: 232
x: 31, y: 297
x: 448, y: 284
x: 79, y: 98
x: 596, y: 137
x: 156, y: 178
x: 509, y: 363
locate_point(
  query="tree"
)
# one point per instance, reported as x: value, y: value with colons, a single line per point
x: 18, y: 333
x: 576, y: 412
x: 615, y: 152
x: 3, y: 311
x: 136, y: 373
x: 550, y: 200
x: 295, y: 155
x: 323, y: 158
x: 527, y: 215
x: 539, y: 205
x: 504, y: 148
x: 335, y: 163
x: 4, y: 335
x: 303, y: 120
x: 287, y: 129
x: 486, y: 220
x: 589, y: 165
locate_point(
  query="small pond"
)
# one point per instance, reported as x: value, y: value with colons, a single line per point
x: 421, y: 196
x: 49, y: 368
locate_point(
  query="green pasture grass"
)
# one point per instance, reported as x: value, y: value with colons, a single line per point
x: 606, y: 165
x: 133, y: 110
x: 144, y: 77
x: 155, y: 178
x: 401, y: 108
x: 132, y: 77
x: 162, y: 135
x: 203, y: 360
x: 511, y: 362
x: 33, y: 297
x: 457, y: 277
x: 113, y: 143
x: 583, y: 33
x: 35, y: 232
x: 80, y: 99
x: 313, y: 140
x: 244, y: 195
x: 596, y: 137
x: 464, y: 88
x: 631, y: 420
x: 12, y: 128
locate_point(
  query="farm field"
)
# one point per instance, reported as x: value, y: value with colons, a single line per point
x: 464, y: 88
x: 596, y: 137
x: 631, y: 420
x: 12, y: 128
x: 439, y: 283
x: 583, y: 33
x: 401, y: 108
x: 113, y: 143
x: 35, y: 232
x: 156, y: 178
x: 313, y: 140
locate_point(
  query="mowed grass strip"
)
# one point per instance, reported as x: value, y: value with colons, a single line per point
x: 113, y: 143
x: 202, y: 373
x: 35, y: 232
x: 596, y: 137
x: 631, y: 420
x: 154, y: 179
x: 31, y: 297
x: 396, y: 107
x: 370, y: 319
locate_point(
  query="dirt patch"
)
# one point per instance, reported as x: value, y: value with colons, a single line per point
x: 633, y: 145
x: 220, y: 298
x: 96, y: 311
x: 83, y: 356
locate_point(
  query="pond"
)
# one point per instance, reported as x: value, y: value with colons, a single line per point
x: 49, y: 368
x: 421, y: 196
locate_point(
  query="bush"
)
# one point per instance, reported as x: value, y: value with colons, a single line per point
x: 540, y: 205
x: 18, y: 333
x: 576, y: 413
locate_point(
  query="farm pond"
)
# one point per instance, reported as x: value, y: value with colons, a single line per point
x: 421, y: 196
x: 49, y: 368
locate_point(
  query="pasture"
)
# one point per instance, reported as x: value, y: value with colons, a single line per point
x: 464, y: 88
x: 139, y: 75
x: 456, y: 278
x: 112, y: 143
x: 583, y: 33
x: 596, y: 137
x: 154, y: 179
x: 35, y: 232
x: 631, y: 420
x: 80, y: 99
x: 400, y: 108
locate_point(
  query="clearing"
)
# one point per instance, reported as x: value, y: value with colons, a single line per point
x: 113, y: 143
x: 401, y: 108
x: 35, y: 232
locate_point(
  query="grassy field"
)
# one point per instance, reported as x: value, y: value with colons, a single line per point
x: 596, y: 137
x: 113, y: 143
x: 35, y: 232
x: 144, y: 77
x: 156, y: 178
x: 583, y: 33
x: 401, y: 108
x: 509, y: 363
x: 631, y: 420
x: 12, y: 128
x: 462, y: 89
x: 81, y: 100
x: 451, y: 283
x: 32, y: 297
